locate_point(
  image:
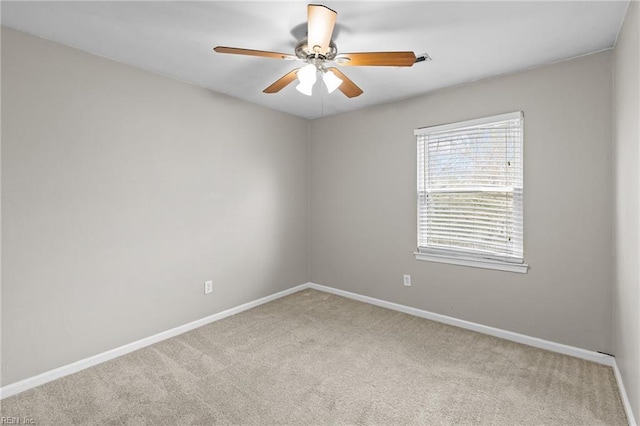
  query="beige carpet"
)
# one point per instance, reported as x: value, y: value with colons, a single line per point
x: 316, y: 358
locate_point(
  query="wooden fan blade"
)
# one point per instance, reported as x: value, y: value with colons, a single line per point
x: 378, y: 59
x: 282, y: 82
x: 320, y: 23
x: 347, y: 87
x: 249, y: 52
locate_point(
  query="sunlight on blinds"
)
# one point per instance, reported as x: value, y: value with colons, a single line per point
x: 470, y: 188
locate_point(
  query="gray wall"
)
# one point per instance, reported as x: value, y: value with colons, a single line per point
x: 626, y: 292
x: 363, y: 204
x: 123, y: 191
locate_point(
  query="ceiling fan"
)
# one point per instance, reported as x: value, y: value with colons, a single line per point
x: 319, y: 51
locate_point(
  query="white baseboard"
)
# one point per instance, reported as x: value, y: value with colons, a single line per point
x: 497, y: 332
x: 623, y: 393
x: 48, y: 376
x: 31, y: 382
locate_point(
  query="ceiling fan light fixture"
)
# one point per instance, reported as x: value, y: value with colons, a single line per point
x: 305, y: 89
x: 307, y: 75
x: 331, y: 80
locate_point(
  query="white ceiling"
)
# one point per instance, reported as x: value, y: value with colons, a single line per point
x: 467, y: 41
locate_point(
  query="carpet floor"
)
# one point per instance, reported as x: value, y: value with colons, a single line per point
x: 317, y: 358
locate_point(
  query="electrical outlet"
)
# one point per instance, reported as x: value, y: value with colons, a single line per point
x: 407, y: 280
x: 208, y: 287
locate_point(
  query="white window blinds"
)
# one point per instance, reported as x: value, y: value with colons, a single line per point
x: 470, y: 188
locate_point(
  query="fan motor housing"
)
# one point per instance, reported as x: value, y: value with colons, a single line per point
x: 304, y: 52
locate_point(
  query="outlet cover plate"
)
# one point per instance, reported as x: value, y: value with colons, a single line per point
x: 407, y: 280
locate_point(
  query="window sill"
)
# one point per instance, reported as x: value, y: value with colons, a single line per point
x: 474, y: 263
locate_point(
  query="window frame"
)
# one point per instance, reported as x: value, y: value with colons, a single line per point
x: 465, y: 258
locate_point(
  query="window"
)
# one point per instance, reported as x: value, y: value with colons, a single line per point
x: 470, y: 193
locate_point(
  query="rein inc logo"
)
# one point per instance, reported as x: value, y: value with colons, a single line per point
x: 4, y: 420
